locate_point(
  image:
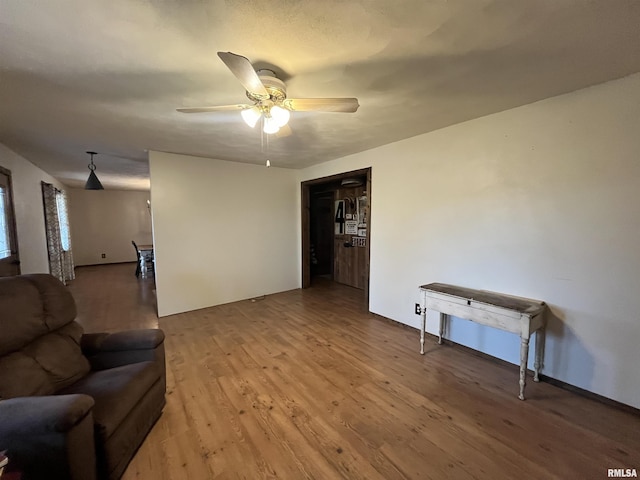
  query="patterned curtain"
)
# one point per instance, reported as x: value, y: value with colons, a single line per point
x: 58, y: 236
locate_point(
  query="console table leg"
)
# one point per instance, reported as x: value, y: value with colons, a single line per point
x: 524, y: 355
x: 441, y: 328
x: 422, y: 330
x: 540, y: 339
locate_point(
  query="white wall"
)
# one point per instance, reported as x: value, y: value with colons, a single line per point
x: 223, y: 231
x: 27, y: 198
x: 106, y: 221
x: 540, y: 201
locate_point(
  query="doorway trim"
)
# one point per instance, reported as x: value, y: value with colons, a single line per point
x: 305, y: 196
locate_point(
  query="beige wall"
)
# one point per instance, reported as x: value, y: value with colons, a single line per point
x: 106, y: 221
x: 539, y: 201
x: 223, y: 231
x: 27, y: 192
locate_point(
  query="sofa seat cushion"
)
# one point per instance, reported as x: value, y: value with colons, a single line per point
x: 116, y: 392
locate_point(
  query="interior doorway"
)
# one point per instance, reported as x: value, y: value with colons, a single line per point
x: 321, y: 231
x: 336, y: 228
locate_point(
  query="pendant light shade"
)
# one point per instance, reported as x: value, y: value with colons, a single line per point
x: 92, y: 182
x: 280, y: 115
x: 251, y: 116
x: 270, y: 125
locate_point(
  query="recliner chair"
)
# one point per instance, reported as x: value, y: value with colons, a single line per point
x: 72, y: 405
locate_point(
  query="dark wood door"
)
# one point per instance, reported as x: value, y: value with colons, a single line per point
x: 9, y: 256
x: 350, y: 237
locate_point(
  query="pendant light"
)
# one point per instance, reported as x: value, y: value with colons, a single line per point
x: 92, y: 182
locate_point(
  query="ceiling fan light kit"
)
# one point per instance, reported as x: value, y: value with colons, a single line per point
x: 269, y: 96
x: 275, y: 117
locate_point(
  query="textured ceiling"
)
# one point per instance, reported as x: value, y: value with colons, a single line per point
x: 79, y: 75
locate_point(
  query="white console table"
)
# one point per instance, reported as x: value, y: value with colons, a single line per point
x: 513, y: 314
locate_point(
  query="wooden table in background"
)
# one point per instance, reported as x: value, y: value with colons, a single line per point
x: 145, y: 248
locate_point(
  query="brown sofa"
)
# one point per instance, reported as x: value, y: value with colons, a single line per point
x: 72, y: 405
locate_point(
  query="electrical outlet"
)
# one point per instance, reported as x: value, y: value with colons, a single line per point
x: 104, y: 255
x: 418, y: 309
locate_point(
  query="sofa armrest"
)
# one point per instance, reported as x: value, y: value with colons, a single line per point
x: 116, y: 342
x: 109, y: 350
x: 49, y: 436
x: 42, y: 415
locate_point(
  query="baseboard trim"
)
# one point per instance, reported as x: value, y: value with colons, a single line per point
x: 133, y: 262
x: 593, y: 396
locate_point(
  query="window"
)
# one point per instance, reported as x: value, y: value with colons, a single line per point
x: 63, y: 220
x: 5, y: 238
x: 9, y: 256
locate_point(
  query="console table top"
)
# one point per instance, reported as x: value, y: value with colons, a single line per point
x: 518, y: 304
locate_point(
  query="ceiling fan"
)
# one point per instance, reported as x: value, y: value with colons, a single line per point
x: 269, y: 96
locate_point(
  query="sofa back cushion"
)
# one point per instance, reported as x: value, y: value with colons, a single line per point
x: 40, y: 343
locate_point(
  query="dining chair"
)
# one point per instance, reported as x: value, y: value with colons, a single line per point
x: 138, y: 257
x: 144, y: 263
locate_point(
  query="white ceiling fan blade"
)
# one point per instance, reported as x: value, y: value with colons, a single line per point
x: 243, y: 70
x: 219, y: 108
x: 347, y: 105
x: 284, y: 131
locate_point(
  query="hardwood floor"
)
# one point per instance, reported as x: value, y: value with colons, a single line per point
x: 110, y: 298
x: 307, y: 384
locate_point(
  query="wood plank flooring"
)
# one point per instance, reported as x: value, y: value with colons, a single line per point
x: 307, y: 384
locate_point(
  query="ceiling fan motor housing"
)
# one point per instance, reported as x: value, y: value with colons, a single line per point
x: 274, y: 86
